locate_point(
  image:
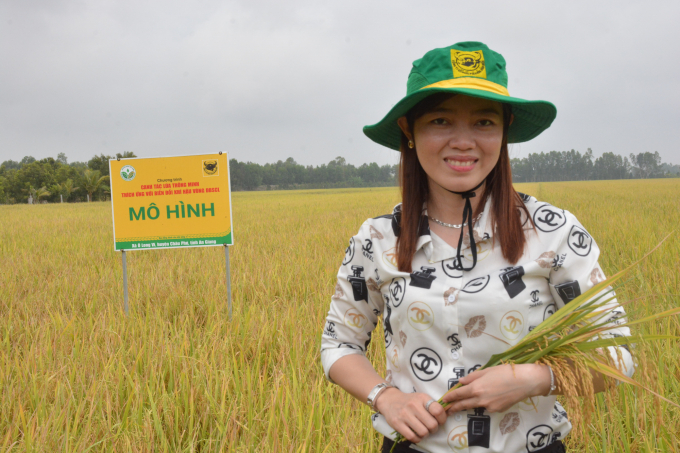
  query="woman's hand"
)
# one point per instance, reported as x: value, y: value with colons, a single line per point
x: 405, y: 412
x: 498, y: 388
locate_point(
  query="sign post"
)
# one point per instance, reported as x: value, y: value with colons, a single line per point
x: 226, y: 262
x: 171, y: 202
x: 125, y: 289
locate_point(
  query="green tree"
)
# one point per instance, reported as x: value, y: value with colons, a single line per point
x: 92, y: 181
x: 610, y: 166
x: 100, y: 163
x: 65, y: 188
x: 36, y: 174
x: 3, y: 190
x: 41, y: 193
x: 11, y: 165
x: 647, y: 164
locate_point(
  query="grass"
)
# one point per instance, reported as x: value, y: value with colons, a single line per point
x: 177, y: 376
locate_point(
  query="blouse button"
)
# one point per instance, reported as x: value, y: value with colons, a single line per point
x: 452, y: 298
x: 458, y: 417
x: 455, y: 355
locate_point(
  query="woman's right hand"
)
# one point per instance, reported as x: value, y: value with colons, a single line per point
x: 405, y: 412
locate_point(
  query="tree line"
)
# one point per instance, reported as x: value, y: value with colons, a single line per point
x: 574, y: 166
x: 53, y: 180
x: 289, y: 174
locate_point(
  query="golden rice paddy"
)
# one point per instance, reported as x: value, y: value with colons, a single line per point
x: 76, y: 375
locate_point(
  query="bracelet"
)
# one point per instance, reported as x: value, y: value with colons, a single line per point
x: 373, y: 396
x: 552, y: 381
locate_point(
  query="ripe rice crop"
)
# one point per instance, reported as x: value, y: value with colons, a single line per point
x: 177, y: 376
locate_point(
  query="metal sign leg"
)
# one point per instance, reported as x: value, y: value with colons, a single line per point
x: 125, y: 286
x: 226, y: 260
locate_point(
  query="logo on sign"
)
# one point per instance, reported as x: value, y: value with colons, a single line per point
x: 128, y: 173
x: 210, y: 168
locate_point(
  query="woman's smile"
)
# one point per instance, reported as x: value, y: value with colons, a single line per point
x: 461, y: 164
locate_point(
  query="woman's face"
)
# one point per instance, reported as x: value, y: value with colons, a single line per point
x: 458, y: 142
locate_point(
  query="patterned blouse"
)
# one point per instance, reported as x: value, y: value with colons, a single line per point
x: 441, y: 323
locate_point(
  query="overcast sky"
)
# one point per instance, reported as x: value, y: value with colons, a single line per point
x: 267, y: 80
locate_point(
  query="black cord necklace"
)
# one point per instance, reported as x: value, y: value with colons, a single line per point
x: 467, y: 219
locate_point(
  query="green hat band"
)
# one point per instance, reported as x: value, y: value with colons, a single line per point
x: 471, y: 69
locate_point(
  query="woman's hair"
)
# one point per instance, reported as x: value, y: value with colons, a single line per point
x: 415, y: 191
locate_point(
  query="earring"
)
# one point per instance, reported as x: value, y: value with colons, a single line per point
x: 410, y: 144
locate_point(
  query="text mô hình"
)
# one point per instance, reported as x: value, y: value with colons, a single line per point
x: 180, y: 211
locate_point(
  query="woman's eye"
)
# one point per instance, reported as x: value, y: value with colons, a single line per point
x: 439, y: 121
x: 485, y: 123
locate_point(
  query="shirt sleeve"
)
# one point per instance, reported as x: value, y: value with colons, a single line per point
x: 575, y: 271
x: 355, y: 306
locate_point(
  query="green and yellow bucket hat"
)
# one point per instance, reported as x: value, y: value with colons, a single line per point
x: 469, y: 68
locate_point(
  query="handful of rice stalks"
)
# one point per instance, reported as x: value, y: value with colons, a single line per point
x: 574, y: 340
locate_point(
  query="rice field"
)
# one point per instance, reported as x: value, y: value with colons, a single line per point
x: 76, y: 375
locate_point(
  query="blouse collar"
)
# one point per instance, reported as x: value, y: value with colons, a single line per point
x: 436, y: 249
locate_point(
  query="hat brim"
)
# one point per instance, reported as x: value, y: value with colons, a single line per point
x: 531, y: 117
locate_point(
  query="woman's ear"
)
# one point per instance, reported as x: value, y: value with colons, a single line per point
x: 402, y: 122
x: 512, y: 118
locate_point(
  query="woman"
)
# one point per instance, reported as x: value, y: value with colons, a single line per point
x: 462, y: 269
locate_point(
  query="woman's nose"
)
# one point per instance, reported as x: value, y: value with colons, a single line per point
x: 462, y: 138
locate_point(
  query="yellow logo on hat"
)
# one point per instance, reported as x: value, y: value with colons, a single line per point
x: 468, y: 64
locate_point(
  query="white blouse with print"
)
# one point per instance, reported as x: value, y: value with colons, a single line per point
x: 442, y: 323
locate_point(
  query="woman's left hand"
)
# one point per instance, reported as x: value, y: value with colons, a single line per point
x: 498, y: 388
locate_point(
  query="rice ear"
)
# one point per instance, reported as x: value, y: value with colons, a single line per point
x: 616, y: 374
x: 654, y: 317
x: 618, y: 341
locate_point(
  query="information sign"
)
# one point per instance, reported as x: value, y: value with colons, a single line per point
x: 170, y: 202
